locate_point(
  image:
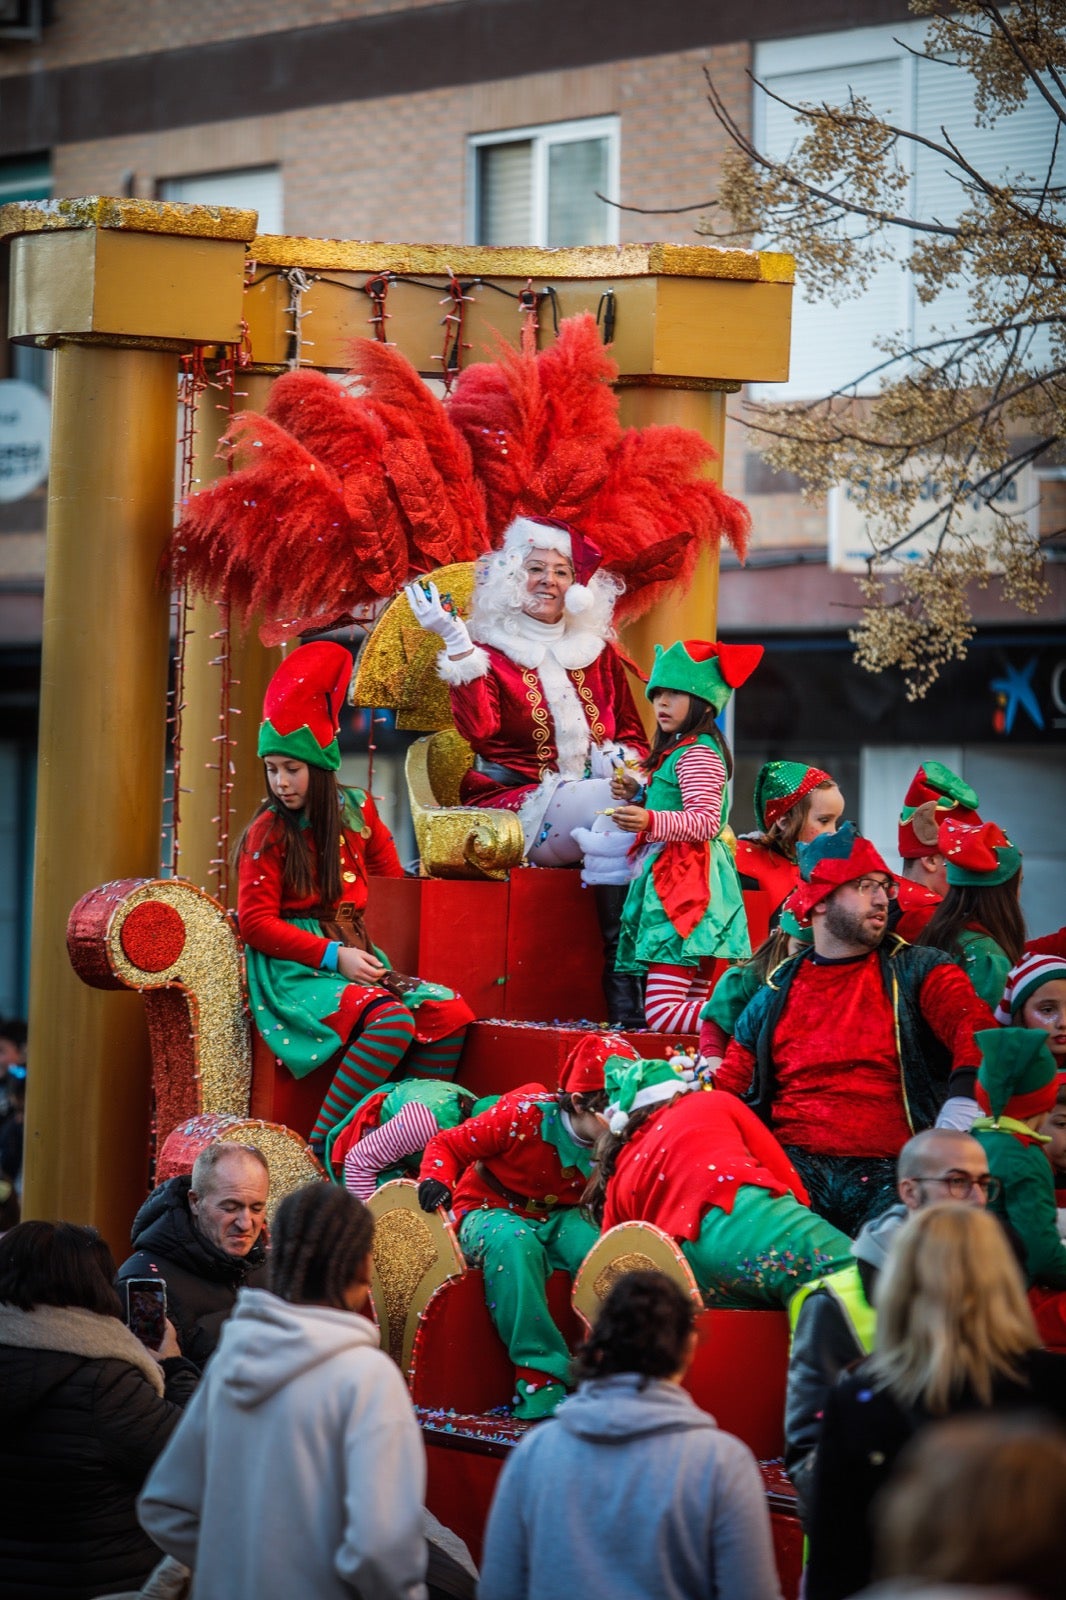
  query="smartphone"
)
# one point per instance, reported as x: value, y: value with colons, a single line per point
x: 146, y: 1309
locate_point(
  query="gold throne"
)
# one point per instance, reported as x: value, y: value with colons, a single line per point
x: 397, y: 671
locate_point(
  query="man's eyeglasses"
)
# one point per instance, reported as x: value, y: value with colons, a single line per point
x: 961, y: 1184
x: 870, y: 886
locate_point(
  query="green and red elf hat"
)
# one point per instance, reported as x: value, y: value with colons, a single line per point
x: 1023, y: 980
x: 829, y: 862
x: 781, y: 785
x: 583, y: 1071
x: 977, y: 856
x: 302, y: 705
x: 935, y: 793
x: 633, y: 1084
x: 1018, y: 1076
x: 701, y: 667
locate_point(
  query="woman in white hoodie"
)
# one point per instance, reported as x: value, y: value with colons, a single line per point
x: 299, y: 1468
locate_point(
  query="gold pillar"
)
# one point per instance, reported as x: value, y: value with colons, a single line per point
x: 100, y: 769
x: 251, y: 665
x: 693, y: 614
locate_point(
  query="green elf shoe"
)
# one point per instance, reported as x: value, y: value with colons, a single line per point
x: 537, y: 1397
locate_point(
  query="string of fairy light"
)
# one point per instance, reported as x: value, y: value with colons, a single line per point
x: 197, y: 376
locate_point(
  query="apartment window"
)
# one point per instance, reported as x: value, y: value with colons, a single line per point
x: 831, y: 344
x: 248, y: 189
x: 540, y: 186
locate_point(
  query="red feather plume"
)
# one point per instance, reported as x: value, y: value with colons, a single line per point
x: 337, y: 498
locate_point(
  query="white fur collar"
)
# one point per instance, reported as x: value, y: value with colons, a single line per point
x: 77, y: 1332
x: 529, y: 642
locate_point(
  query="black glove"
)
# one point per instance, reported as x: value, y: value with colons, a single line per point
x: 432, y: 1194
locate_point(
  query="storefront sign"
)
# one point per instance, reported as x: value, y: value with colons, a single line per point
x: 978, y: 518
x: 25, y: 423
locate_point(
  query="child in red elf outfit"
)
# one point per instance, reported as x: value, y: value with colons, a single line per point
x: 318, y: 987
x: 793, y: 804
x: 514, y: 1178
x: 704, y: 1169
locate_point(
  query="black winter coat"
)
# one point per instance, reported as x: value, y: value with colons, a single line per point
x: 864, y: 1431
x: 202, y: 1281
x: 79, y: 1433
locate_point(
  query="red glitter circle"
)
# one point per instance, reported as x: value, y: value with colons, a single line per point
x: 153, y: 936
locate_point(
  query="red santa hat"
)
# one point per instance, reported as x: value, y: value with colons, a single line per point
x: 528, y: 533
x: 583, y: 1072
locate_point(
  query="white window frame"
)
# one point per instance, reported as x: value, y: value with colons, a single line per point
x: 542, y: 136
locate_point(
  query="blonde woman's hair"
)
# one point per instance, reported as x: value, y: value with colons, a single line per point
x: 952, y: 1312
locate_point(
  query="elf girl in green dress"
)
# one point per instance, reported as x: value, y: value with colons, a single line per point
x: 684, y: 909
x: 321, y: 995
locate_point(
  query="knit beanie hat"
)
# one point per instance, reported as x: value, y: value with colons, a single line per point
x: 977, y: 855
x: 632, y: 1085
x: 779, y: 786
x: 701, y: 667
x: 1017, y: 1076
x: 935, y: 793
x: 1023, y: 980
x: 302, y: 705
x: 583, y: 1071
x: 528, y: 533
x: 827, y: 863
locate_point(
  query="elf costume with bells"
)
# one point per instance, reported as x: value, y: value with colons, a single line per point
x: 514, y: 1178
x: 305, y: 1009
x: 705, y: 1170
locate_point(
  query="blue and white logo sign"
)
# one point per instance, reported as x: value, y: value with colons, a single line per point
x: 25, y: 425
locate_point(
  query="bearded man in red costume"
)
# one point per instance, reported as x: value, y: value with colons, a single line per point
x: 859, y: 1042
x: 539, y: 692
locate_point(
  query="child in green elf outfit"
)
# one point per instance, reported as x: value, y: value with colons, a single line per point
x: 979, y: 922
x: 684, y: 909
x: 384, y: 1135
x: 514, y: 1178
x: 1017, y: 1086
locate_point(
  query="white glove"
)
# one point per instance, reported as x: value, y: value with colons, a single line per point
x: 605, y: 852
x: 430, y: 614
x: 959, y: 1113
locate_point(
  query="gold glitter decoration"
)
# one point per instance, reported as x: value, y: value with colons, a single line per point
x: 631, y: 1247
x: 610, y: 1274
x: 525, y: 261
x: 290, y: 1161
x: 131, y: 216
x: 398, y: 667
x: 209, y: 969
x: 414, y: 1253
x: 457, y: 841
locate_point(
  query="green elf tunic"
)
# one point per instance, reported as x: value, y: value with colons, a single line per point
x: 685, y: 903
x: 985, y: 963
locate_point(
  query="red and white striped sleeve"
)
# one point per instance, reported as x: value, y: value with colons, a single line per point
x: 701, y: 774
x: 406, y: 1134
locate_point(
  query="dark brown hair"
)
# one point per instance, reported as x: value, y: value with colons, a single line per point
x: 305, y: 874
x: 643, y: 1327
x: 993, y: 908
x: 320, y: 1237
x: 608, y: 1148
x: 57, y: 1264
x: 701, y: 718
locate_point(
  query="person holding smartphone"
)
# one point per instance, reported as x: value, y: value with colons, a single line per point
x: 85, y: 1409
x: 203, y: 1235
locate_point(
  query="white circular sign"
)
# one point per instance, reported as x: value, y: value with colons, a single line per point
x: 25, y: 425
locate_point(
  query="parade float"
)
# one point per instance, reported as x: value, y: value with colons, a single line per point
x: 167, y: 323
